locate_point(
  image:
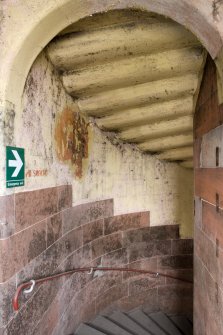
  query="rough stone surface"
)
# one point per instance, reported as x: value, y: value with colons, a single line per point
x: 208, y: 209
x: 19, y: 249
x: 85, y: 213
x: 54, y: 228
x: 61, y: 307
x: 34, y: 206
x: 7, y: 215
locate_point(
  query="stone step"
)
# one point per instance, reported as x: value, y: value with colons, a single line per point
x: 183, y: 324
x: 146, y: 322
x: 128, y: 324
x: 85, y: 329
x: 137, y: 322
x: 167, y: 325
x: 109, y: 327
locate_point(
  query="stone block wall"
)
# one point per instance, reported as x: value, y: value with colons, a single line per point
x: 49, y: 236
x: 35, y: 240
x: 208, y: 255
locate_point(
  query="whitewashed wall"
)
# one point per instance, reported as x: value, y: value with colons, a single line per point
x: 113, y: 170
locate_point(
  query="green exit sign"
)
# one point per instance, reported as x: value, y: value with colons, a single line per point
x: 15, y: 167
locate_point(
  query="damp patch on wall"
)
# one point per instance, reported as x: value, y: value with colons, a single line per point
x: 72, y: 138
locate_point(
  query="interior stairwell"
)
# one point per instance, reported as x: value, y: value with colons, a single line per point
x: 137, y: 322
x: 136, y: 74
x: 117, y: 111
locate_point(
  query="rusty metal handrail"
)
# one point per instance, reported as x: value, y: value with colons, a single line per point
x: 31, y: 284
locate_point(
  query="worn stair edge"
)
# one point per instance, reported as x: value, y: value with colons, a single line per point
x: 85, y: 329
x: 127, y: 323
x: 103, y: 324
x: 137, y: 322
x: 142, y: 319
x: 163, y: 321
x: 183, y: 324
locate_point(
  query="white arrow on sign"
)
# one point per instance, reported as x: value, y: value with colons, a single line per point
x: 17, y: 163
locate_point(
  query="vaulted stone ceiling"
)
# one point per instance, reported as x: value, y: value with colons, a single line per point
x: 137, y: 74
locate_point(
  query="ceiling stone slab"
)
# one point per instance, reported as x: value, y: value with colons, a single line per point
x: 103, y: 45
x: 189, y: 164
x: 137, y: 74
x: 113, y: 18
x: 147, y: 114
x: 134, y: 70
x: 169, y: 142
x: 138, y: 95
x: 177, y: 154
x: 158, y: 129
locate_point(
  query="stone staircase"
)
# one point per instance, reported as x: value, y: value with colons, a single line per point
x: 136, y: 74
x: 137, y: 322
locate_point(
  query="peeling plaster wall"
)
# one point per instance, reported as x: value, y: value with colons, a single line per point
x: 109, y: 170
x: 137, y: 182
x: 43, y: 99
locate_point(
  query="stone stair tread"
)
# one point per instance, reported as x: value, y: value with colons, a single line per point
x: 128, y: 324
x: 104, y: 324
x: 85, y: 329
x: 144, y: 320
x: 167, y: 325
x: 137, y: 322
x: 183, y: 324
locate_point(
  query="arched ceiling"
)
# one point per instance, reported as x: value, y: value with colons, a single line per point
x: 137, y: 74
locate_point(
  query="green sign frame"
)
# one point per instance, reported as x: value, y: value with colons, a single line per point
x: 15, y: 167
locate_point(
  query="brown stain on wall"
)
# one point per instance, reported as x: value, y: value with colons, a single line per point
x: 71, y: 137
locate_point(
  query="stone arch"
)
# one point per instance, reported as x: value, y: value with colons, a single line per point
x: 43, y: 25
